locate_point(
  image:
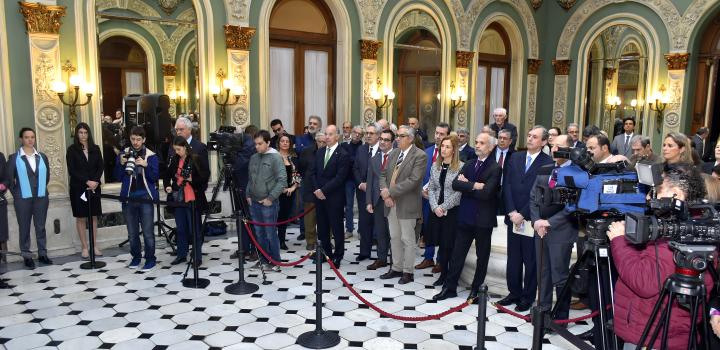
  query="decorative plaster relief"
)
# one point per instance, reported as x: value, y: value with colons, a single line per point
x: 41, y: 18
x: 169, y: 84
x: 237, y: 37
x: 531, y: 107
x: 414, y: 19
x: 676, y: 81
x: 461, y: 76
x: 238, y: 11
x: 45, y: 74
x: 239, y: 68
x: 369, y: 14
x: 49, y: 117
x: 369, y: 74
x: 560, y: 101
x: 369, y: 49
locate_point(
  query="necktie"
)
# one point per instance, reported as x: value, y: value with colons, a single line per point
x: 528, y: 162
x: 435, y: 153
x: 478, y: 164
x: 400, y: 159
x: 553, y: 178
x: 502, y: 159
x: 627, y: 140
x: 384, y: 162
x: 327, y: 156
x: 370, y: 153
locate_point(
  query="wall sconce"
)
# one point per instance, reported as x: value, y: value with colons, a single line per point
x: 613, y: 102
x: 179, y: 98
x: 387, y: 96
x: 222, y: 96
x: 75, y: 82
x: 658, y: 104
x: 457, y: 98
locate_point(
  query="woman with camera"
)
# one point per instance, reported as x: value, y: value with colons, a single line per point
x: 286, y: 148
x: 85, y: 165
x: 185, y: 178
x: 642, y: 270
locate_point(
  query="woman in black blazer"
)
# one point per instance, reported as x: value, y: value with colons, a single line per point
x: 186, y: 183
x: 85, y: 165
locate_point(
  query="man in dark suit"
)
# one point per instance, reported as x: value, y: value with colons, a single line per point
x: 375, y: 204
x: 573, y: 131
x: 332, y: 165
x: 478, y: 181
x: 519, y: 178
x: 501, y: 122
x: 466, y: 151
x: 501, y: 153
x: 555, y: 233
x: 278, y: 129
x: 306, y: 167
x: 621, y: 143
x: 698, y: 142
x: 360, y: 170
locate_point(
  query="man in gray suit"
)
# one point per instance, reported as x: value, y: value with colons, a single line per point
x: 621, y: 143
x: 555, y: 233
x: 375, y: 204
x: 401, y: 190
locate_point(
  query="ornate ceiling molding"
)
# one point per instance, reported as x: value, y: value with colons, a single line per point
x: 566, y: 4
x: 238, y: 38
x: 39, y: 18
x: 463, y: 59
x: 561, y: 67
x: 370, y: 11
x: 536, y: 4
x: 534, y: 65
x: 369, y: 49
x: 415, y: 19
x: 238, y: 11
x: 677, y: 61
x: 169, y: 70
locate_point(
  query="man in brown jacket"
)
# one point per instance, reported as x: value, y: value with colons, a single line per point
x: 401, y: 189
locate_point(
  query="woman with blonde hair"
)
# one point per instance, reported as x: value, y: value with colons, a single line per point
x: 676, y: 149
x: 712, y: 185
x: 444, y: 202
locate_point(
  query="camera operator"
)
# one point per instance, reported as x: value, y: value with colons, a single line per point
x: 241, y: 160
x: 599, y: 146
x: 642, y: 270
x: 141, y: 172
x: 185, y: 177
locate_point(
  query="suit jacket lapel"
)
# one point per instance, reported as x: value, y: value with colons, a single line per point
x: 536, y: 163
x: 27, y: 163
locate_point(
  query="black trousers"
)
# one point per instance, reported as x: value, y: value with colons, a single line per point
x: 330, y: 216
x: 286, y: 205
x: 553, y: 273
x: 365, y: 224
x: 463, y: 239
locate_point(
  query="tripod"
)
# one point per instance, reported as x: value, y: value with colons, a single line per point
x: 166, y: 231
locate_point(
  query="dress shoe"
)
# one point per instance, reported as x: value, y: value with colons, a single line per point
x: 178, y: 260
x: 425, y: 264
x: 391, y: 274
x: 377, y: 264
x: 578, y: 306
x: 440, y: 281
x: 337, y: 261
x: 444, y: 294
x: 234, y: 256
x: 473, y: 294
x: 523, y: 306
x: 406, y: 278
x: 436, y: 269
x: 301, y: 237
x: 29, y: 263
x: 252, y: 256
x: 43, y: 259
x: 362, y: 257
x: 283, y: 246
x: 507, y: 301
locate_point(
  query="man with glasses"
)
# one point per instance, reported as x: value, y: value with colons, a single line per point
x: 415, y: 124
x: 363, y: 157
x: 278, y: 130
x: 573, y: 131
x: 500, y: 115
x: 375, y: 205
x: 400, y: 186
x: 314, y: 125
x: 347, y: 132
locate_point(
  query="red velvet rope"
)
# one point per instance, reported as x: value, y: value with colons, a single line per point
x: 264, y: 253
x: 309, y: 209
x: 393, y: 316
x: 527, y: 318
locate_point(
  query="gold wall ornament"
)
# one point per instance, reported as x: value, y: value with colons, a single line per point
x: 536, y: 4
x: 561, y: 67
x: 534, y: 65
x: 609, y: 73
x: 41, y: 18
x: 169, y: 6
x: 566, y: 4
x: 463, y: 59
x: 369, y: 49
x: 238, y: 38
x: 169, y: 70
x: 677, y: 61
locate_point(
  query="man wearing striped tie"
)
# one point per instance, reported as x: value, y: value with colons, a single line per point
x: 375, y: 204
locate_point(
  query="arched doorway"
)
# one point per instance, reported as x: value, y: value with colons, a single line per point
x: 123, y: 71
x: 493, y: 74
x: 302, y: 63
x: 706, y: 111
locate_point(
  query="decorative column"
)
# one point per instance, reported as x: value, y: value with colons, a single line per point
x: 463, y: 59
x: 677, y: 64
x: 532, y: 81
x: 169, y: 84
x: 369, y: 73
x: 42, y: 23
x: 562, y: 70
x: 237, y: 42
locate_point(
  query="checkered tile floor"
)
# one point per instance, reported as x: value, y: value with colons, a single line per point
x: 63, y: 306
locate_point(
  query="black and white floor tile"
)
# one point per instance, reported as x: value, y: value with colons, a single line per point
x: 62, y: 306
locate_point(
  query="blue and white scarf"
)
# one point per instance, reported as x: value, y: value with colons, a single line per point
x: 22, y: 174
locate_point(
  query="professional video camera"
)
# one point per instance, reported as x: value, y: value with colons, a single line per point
x: 696, y: 224
x: 225, y: 141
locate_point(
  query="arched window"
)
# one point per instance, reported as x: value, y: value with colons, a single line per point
x: 493, y: 78
x: 123, y: 71
x: 302, y: 63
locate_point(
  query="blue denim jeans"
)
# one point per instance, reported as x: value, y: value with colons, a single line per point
x: 266, y: 235
x: 349, y: 203
x: 183, y: 221
x: 140, y: 215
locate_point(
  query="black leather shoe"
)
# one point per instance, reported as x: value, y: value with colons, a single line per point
x: 45, y: 260
x: 406, y: 278
x: 178, y: 260
x: 440, y: 281
x: 444, y: 294
x: 507, y: 301
x: 473, y: 294
x: 523, y: 306
x: 391, y: 274
x: 337, y: 262
x: 283, y: 246
x: 29, y: 263
x: 362, y: 257
x: 301, y: 237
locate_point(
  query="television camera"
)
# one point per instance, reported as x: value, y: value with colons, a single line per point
x: 225, y: 141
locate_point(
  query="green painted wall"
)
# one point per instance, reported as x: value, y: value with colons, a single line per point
x: 19, y: 57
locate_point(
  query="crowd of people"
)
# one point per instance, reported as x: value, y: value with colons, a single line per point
x: 440, y: 195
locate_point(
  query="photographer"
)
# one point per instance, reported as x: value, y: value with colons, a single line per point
x: 185, y: 178
x: 642, y: 270
x: 140, y: 171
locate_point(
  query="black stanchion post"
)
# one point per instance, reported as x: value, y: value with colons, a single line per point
x: 538, y: 321
x: 318, y: 338
x: 241, y: 287
x: 482, y: 306
x: 92, y: 264
x: 196, y: 281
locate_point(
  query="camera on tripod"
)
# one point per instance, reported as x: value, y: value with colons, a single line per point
x: 225, y: 141
x: 130, y: 166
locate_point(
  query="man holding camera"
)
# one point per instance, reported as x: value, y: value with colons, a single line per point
x: 139, y: 177
x: 555, y: 232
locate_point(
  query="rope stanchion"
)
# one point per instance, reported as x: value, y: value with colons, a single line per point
x: 318, y: 338
x: 393, y: 316
x: 527, y: 318
x: 308, y: 210
x: 267, y: 256
x: 93, y: 263
x: 482, y: 310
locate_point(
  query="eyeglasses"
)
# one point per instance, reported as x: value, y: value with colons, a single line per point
x: 385, y: 140
x: 369, y: 133
x: 402, y: 135
x: 276, y: 130
x: 180, y: 129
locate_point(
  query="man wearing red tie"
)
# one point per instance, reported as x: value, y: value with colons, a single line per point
x: 501, y: 153
x: 375, y: 205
